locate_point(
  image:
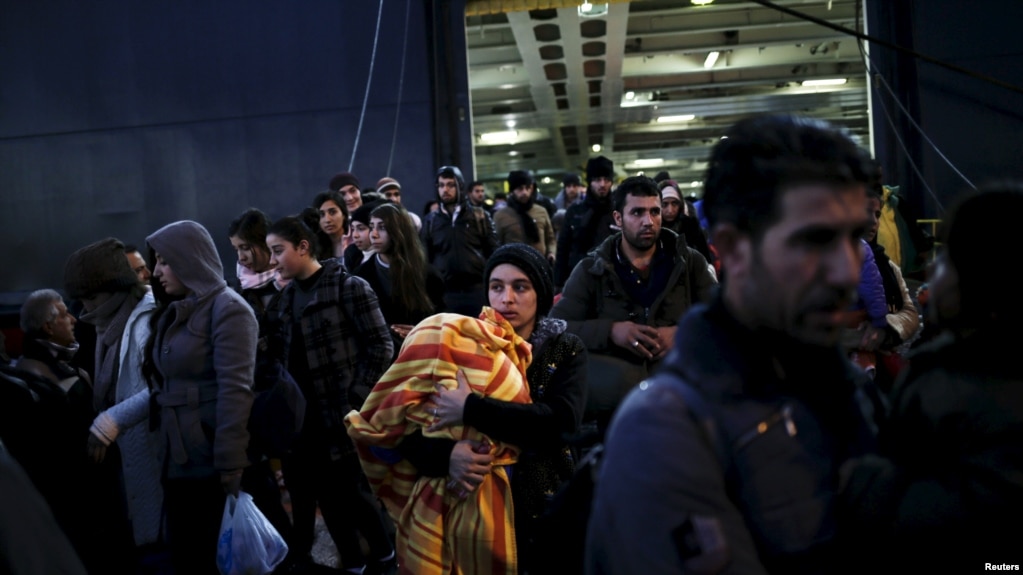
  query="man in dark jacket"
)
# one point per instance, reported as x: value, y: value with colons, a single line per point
x: 727, y: 460
x: 624, y: 299
x: 458, y: 238
x: 587, y: 223
x: 45, y: 412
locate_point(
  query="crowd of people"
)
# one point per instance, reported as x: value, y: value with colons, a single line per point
x: 736, y: 372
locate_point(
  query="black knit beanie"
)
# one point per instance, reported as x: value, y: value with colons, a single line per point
x: 98, y: 267
x: 534, y: 265
x: 599, y: 167
x: 344, y: 179
x: 519, y: 178
x: 361, y: 213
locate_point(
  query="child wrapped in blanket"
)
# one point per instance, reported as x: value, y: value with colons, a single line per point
x: 443, y: 528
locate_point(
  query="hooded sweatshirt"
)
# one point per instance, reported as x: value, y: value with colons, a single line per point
x: 205, y: 355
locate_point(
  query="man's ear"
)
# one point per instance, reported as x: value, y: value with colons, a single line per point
x: 734, y: 247
x: 617, y: 218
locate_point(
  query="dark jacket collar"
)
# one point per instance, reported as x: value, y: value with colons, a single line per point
x: 718, y: 354
x: 671, y: 243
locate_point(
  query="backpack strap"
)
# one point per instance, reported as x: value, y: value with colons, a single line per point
x: 699, y: 410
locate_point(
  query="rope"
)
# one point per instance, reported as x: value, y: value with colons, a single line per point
x: 401, y: 88
x: 876, y: 79
x: 369, y: 82
x: 924, y: 134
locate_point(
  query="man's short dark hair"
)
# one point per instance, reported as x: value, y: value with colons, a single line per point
x: 640, y: 186
x: 762, y: 156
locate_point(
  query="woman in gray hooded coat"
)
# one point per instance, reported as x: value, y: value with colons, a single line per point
x: 200, y: 362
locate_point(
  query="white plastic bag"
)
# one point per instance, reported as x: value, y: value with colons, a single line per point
x: 248, y: 543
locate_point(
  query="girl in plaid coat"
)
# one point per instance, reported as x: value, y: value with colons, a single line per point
x: 336, y: 345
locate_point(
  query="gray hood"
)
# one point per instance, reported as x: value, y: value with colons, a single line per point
x: 189, y: 250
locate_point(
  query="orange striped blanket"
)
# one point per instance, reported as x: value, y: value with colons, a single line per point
x: 437, y: 531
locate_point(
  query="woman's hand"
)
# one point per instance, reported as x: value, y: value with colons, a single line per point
x: 468, y: 465
x: 231, y: 481
x: 447, y: 405
x: 97, y: 449
x: 401, y: 329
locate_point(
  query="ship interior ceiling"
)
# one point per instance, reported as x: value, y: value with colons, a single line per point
x: 651, y: 84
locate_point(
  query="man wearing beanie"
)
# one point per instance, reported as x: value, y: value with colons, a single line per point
x: 525, y: 222
x: 350, y: 188
x: 572, y: 191
x: 458, y: 238
x: 587, y: 223
x: 119, y: 306
x: 391, y: 190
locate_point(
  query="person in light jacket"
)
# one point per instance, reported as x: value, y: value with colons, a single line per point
x: 120, y: 442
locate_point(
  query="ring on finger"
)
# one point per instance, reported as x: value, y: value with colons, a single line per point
x: 635, y: 343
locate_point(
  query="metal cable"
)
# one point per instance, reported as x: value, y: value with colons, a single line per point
x: 877, y: 78
x: 369, y: 82
x: 401, y: 88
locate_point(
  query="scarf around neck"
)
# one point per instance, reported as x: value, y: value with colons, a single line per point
x: 249, y: 279
x: 53, y: 355
x: 110, y: 319
x: 528, y: 223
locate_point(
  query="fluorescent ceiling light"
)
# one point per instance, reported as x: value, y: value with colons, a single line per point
x: 496, y: 137
x: 678, y: 118
x: 632, y: 99
x: 825, y: 82
x: 510, y: 124
x: 712, y: 59
x: 588, y: 10
x: 695, y: 184
x: 595, y: 147
x: 648, y: 162
x: 701, y: 2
